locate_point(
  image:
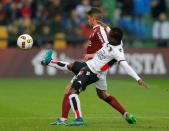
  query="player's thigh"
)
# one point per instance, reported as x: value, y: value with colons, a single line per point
x: 101, y: 84
x: 68, y: 88
x: 77, y: 66
x: 101, y: 88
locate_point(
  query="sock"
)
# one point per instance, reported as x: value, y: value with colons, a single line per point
x: 59, y: 65
x: 63, y: 119
x: 113, y: 102
x: 65, y: 106
x: 75, y: 105
x: 125, y: 115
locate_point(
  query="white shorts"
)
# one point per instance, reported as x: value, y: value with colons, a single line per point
x: 101, y: 83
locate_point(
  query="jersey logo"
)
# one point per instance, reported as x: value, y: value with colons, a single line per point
x: 101, y: 54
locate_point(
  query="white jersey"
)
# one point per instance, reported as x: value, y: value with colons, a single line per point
x: 105, y: 57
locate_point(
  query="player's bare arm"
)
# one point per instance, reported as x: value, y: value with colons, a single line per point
x: 142, y: 83
x: 88, y: 56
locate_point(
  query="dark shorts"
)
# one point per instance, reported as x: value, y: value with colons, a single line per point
x: 77, y: 66
x: 84, y: 78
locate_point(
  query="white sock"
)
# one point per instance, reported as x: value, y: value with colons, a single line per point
x: 125, y: 114
x: 75, y: 105
x: 63, y: 119
x: 59, y: 65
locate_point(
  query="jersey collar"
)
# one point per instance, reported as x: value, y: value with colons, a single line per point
x: 95, y: 26
x: 113, y: 44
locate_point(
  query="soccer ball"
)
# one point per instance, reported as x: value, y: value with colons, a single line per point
x: 25, y: 42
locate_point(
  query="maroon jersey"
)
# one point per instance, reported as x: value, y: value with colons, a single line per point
x: 96, y: 40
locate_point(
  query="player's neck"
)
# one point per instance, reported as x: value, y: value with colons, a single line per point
x: 95, y: 24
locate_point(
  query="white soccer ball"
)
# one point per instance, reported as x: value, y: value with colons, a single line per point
x: 25, y: 42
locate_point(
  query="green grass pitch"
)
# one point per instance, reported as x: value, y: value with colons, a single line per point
x: 30, y: 104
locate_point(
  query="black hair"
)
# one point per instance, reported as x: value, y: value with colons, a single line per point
x: 115, y: 36
x: 96, y: 12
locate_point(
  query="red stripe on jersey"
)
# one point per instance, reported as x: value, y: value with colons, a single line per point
x: 54, y: 62
x: 77, y: 113
x: 105, y: 67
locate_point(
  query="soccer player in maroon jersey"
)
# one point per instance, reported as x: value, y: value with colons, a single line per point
x: 96, y: 40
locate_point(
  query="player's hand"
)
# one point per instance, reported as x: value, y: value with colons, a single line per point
x: 142, y: 83
x: 102, y: 24
x: 88, y: 56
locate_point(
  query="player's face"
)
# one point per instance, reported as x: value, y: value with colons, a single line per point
x: 90, y: 20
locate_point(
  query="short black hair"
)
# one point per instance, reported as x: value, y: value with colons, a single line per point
x: 96, y: 12
x: 115, y: 35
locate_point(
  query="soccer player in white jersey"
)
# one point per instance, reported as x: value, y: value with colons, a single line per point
x: 89, y: 72
x: 96, y: 40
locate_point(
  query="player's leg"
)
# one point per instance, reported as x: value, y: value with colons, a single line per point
x: 66, y: 103
x: 84, y: 78
x: 101, y: 89
x: 76, y: 108
x: 65, y: 107
x: 62, y: 65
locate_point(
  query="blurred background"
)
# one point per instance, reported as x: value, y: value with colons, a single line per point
x: 63, y: 26
x: 145, y: 22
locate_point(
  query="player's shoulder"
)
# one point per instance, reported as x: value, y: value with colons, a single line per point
x: 99, y: 28
x: 116, y: 49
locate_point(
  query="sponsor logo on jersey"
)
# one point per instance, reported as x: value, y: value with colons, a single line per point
x: 101, y: 54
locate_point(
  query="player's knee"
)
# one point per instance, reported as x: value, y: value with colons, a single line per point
x: 70, y: 66
x: 72, y: 91
x: 77, y: 86
x: 102, y: 94
x: 68, y: 88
